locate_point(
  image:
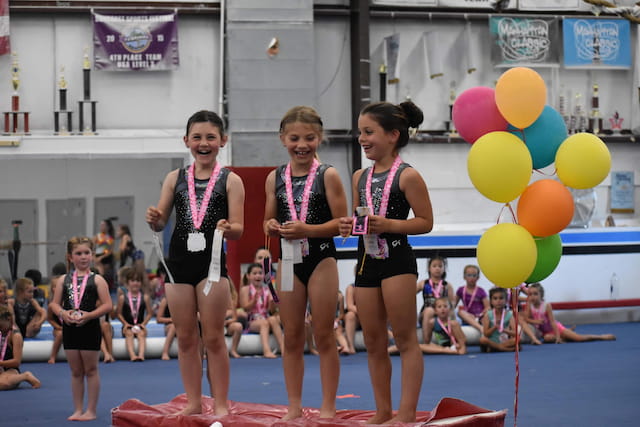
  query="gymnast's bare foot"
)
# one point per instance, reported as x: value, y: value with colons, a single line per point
x: 31, y: 379
x: 609, y: 337
x: 380, y: 418
x: 51, y: 360
x: 165, y: 357
x: 234, y: 354
x: 191, y: 410
x: 76, y: 416
x: 327, y: 413
x: 221, y: 410
x: 87, y: 416
x: 401, y: 419
x: 292, y: 414
x: 270, y: 355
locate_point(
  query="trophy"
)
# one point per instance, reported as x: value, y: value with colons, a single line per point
x: 578, y: 119
x: 62, y: 90
x: 11, y: 118
x: 86, y: 80
x: 595, y: 121
x: 616, y: 123
x: 562, y: 108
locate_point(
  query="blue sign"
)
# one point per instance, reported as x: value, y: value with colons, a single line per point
x: 597, y: 43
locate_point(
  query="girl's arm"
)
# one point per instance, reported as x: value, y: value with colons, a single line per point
x: 512, y: 327
x: 160, y: 317
x: 487, y: 330
x: 420, y: 285
x: 245, y: 302
x: 552, y: 320
x: 157, y: 216
x: 40, y: 310
x: 52, y: 318
x: 56, y: 303
x: 270, y: 224
x: 103, y: 297
x: 458, y: 299
x: 340, y: 307
x: 119, y: 311
x: 14, y: 363
x: 451, y: 295
x: 148, y: 314
x: 415, y: 190
x: 234, y: 225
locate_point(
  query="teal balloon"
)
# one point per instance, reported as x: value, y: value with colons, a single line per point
x: 549, y: 253
x: 543, y: 137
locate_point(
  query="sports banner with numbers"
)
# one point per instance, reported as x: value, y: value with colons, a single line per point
x: 135, y: 42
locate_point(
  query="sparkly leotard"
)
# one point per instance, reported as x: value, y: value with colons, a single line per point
x: 88, y: 335
x: 193, y: 267
x: 319, y: 212
x: 401, y: 259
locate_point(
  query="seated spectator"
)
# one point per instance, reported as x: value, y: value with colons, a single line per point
x: 36, y: 278
x: 134, y: 313
x: 11, y: 354
x: 351, y: 321
x: 475, y: 302
x: 257, y: 301
x: 498, y: 325
x: 338, y: 326
x: 29, y: 315
x: 435, y: 286
x: 233, y: 326
x: 156, y: 287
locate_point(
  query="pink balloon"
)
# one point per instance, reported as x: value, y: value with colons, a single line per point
x: 475, y: 113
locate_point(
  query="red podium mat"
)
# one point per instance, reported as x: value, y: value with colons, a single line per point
x: 448, y: 412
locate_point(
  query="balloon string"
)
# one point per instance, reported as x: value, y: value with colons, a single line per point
x: 514, y: 304
x: 513, y: 214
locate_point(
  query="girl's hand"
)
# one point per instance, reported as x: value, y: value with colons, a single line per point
x: 345, y: 226
x: 153, y: 216
x: 293, y: 230
x: 273, y: 227
x: 66, y: 317
x: 223, y: 225
x: 378, y: 224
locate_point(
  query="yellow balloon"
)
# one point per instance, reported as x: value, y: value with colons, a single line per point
x: 521, y: 96
x: 500, y: 166
x: 583, y: 161
x: 507, y: 254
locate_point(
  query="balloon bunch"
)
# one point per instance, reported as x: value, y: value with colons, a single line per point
x: 513, y: 132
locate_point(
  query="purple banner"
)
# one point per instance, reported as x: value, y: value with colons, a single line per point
x: 135, y: 42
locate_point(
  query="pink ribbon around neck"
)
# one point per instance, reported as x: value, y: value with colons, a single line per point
x: 134, y: 314
x: 447, y: 329
x: 77, y: 296
x: 495, y: 319
x: 384, y: 202
x: 198, y: 214
x: 304, y: 207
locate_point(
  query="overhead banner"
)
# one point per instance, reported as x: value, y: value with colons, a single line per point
x: 597, y: 43
x: 572, y: 5
x: 135, y: 42
x: 391, y: 50
x: 525, y: 41
x: 5, y: 47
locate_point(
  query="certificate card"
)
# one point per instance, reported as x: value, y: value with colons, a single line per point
x: 622, y: 189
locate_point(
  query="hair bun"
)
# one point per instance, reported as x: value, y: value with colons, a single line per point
x: 413, y: 112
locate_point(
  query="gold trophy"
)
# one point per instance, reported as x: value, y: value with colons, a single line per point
x: 11, y: 117
x: 62, y: 90
x: 86, y: 83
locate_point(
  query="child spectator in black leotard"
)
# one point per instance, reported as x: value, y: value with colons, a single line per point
x: 387, y: 270
x: 304, y: 201
x: 11, y: 354
x: 29, y: 315
x: 80, y: 298
x: 133, y: 311
x: 209, y: 200
x: 36, y: 277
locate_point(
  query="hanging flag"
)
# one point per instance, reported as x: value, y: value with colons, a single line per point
x: 135, y: 41
x: 432, y: 54
x: 524, y: 41
x: 5, y: 47
x: 391, y: 50
x: 597, y: 43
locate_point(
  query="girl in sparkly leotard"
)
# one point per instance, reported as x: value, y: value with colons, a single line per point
x: 304, y: 201
x: 386, y: 271
x: 209, y: 203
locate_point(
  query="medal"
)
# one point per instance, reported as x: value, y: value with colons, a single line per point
x: 196, y: 241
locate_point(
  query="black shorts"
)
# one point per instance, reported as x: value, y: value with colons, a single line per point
x: 401, y: 260
x: 317, y: 253
x: 85, y: 337
x: 192, y: 268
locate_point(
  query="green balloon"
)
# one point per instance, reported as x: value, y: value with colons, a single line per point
x: 549, y: 253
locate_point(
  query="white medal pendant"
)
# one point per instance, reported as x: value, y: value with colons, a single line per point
x: 196, y: 242
x: 297, y: 250
x: 286, y: 265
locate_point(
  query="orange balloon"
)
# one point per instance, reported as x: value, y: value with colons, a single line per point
x: 545, y: 208
x: 521, y: 96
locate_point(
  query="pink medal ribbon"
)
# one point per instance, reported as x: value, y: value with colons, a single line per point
x: 473, y: 295
x: 304, y: 207
x: 261, y: 304
x: 495, y: 319
x: 198, y: 214
x: 436, y: 291
x: 447, y: 329
x: 5, y: 342
x: 134, y: 313
x: 77, y: 295
x: 384, y: 201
